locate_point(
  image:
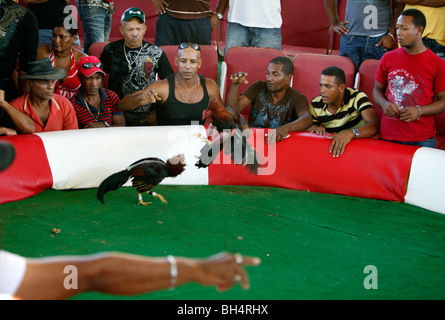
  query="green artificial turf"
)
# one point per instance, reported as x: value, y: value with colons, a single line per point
x: 312, y: 246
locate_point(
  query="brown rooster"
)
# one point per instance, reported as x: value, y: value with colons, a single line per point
x: 231, y: 127
x: 146, y: 173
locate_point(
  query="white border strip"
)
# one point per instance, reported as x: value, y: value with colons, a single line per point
x: 426, y: 180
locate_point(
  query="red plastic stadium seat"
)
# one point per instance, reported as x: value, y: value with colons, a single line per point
x: 305, y: 27
x: 97, y: 48
x: 209, y: 56
x: 308, y: 67
x: 366, y: 79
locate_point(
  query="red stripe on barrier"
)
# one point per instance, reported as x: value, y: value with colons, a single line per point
x: 30, y: 172
x: 369, y: 168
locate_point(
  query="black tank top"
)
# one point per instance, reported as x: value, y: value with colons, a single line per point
x: 174, y: 112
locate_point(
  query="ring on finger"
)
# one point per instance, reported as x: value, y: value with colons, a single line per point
x: 238, y: 258
x: 237, y: 278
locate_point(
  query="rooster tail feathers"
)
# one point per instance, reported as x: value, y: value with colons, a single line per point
x: 176, y: 165
x: 113, y: 182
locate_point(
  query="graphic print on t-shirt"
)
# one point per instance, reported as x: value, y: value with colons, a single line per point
x: 403, y: 88
x: 267, y: 115
x: 140, y: 74
x: 141, y: 71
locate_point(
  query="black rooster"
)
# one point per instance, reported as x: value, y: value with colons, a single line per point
x: 146, y: 173
x: 231, y: 138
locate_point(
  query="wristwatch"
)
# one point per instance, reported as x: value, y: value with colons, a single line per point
x: 219, y: 15
x: 356, y: 132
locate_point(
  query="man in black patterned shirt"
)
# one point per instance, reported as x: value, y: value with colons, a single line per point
x: 19, y: 38
x: 133, y: 64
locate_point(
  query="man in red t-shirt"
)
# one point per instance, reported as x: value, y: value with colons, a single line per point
x: 410, y: 86
x: 49, y: 111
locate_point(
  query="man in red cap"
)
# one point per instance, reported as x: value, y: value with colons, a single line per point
x: 95, y: 107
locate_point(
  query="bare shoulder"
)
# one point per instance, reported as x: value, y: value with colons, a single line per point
x: 43, y: 51
x: 212, y: 87
x: 78, y: 54
x: 210, y: 82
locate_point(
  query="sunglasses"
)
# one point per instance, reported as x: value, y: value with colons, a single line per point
x: 89, y: 65
x: 185, y: 45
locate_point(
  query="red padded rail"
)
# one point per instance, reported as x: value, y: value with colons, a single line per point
x: 369, y: 168
x: 30, y: 172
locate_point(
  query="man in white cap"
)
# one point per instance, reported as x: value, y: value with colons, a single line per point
x: 95, y: 106
x: 49, y: 111
x: 133, y: 64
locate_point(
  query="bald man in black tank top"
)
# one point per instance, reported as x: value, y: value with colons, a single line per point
x: 180, y: 98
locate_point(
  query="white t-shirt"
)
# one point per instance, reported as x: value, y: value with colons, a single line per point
x: 12, y: 271
x: 256, y: 13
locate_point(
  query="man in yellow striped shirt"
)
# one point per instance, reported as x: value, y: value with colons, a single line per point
x: 346, y: 112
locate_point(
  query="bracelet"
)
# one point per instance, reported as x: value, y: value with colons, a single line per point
x: 391, y: 36
x: 173, y: 271
x: 420, y: 112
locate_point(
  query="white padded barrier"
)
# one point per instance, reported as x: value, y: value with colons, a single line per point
x: 426, y: 184
x: 84, y: 158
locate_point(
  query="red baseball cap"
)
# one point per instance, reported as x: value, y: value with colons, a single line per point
x: 89, y: 65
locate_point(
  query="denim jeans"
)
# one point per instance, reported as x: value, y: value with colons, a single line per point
x: 360, y: 48
x: 435, y: 46
x: 96, y: 22
x: 241, y: 36
x: 430, y: 143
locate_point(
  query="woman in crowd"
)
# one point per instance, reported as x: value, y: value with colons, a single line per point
x: 62, y: 54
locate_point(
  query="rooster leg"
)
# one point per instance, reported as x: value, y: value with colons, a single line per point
x: 158, y: 196
x: 142, y: 202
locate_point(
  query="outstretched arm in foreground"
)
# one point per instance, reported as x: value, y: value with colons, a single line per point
x: 126, y: 274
